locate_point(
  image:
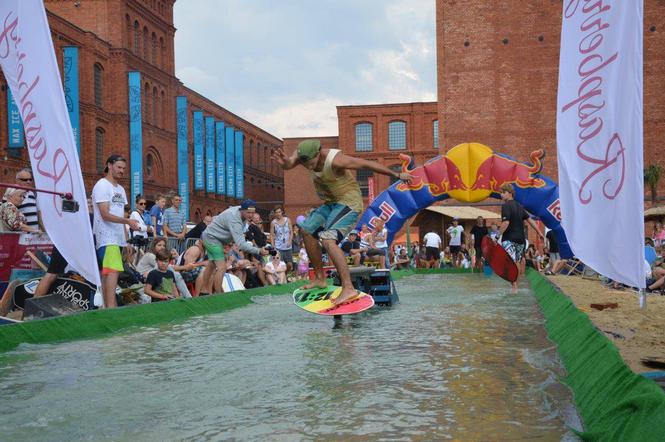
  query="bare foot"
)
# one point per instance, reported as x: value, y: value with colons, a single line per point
x: 316, y: 283
x: 514, y: 288
x: 346, y: 294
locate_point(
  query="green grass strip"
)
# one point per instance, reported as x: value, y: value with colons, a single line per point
x: 97, y: 323
x: 613, y: 401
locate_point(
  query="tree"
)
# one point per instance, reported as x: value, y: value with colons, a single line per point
x: 652, y: 175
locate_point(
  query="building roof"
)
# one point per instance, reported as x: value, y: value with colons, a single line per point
x: 463, y: 212
x: 655, y: 212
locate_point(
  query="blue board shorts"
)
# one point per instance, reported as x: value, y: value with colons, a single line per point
x: 330, y: 221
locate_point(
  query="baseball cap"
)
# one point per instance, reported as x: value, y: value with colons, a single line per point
x: 248, y: 205
x: 353, y: 232
x: 308, y: 149
x: 456, y: 219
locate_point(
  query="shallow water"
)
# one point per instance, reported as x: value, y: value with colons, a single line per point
x: 459, y: 358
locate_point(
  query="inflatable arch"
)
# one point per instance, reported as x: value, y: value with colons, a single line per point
x: 469, y: 172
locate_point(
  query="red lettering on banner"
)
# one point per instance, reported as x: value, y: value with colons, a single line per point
x: 555, y: 210
x: 387, y: 211
x: 590, y: 104
x: 58, y: 172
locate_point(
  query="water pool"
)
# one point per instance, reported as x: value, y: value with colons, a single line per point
x: 459, y: 358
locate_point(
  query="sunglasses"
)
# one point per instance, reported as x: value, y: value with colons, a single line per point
x: 24, y: 179
x: 141, y: 204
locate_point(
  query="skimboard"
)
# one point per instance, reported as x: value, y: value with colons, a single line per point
x: 318, y: 300
x: 499, y: 260
x: 231, y: 283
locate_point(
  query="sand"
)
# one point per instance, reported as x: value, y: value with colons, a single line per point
x: 637, y: 333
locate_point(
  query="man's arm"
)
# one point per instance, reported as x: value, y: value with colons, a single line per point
x: 285, y: 162
x: 108, y: 217
x: 533, y: 224
x: 272, y: 233
x: 343, y: 161
x: 235, y: 227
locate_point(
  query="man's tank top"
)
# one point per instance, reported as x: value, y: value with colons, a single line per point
x: 333, y: 189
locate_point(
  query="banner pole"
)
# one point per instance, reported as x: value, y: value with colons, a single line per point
x: 643, y: 299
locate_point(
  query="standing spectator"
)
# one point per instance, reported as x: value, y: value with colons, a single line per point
x: 513, y: 239
x: 174, y: 222
x: 157, y: 214
x: 455, y: 231
x: 432, y: 249
x: 297, y: 243
x: 28, y: 207
x: 137, y: 215
x: 12, y: 218
x: 281, y: 237
x: 556, y: 263
x: 109, y: 200
x: 198, y: 229
x: 478, y: 232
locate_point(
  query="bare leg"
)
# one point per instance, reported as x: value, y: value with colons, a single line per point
x: 45, y: 283
x: 109, y: 283
x: 220, y: 269
x: 314, y: 252
x: 270, y: 278
x: 206, y: 278
x: 339, y: 260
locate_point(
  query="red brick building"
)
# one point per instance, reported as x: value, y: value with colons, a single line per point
x: 118, y: 36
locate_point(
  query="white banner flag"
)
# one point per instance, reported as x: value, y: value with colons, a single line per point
x: 28, y: 61
x: 599, y: 136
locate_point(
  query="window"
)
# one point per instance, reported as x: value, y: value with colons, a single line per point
x: 137, y: 37
x: 164, y: 110
x: 149, y: 165
x: 435, y: 134
x: 154, y: 48
x: 396, y: 135
x: 361, y: 176
x: 364, y: 137
x: 251, y: 150
x: 98, y: 71
x: 99, y: 149
x: 146, y: 43
x: 146, y: 103
x: 395, y: 168
x: 154, y: 107
x: 128, y: 23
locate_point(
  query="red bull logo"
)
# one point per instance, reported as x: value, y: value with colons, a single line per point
x: 471, y: 172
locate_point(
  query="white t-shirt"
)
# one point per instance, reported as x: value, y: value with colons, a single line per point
x: 105, y: 232
x: 432, y: 239
x: 455, y: 235
x: 379, y: 244
x: 143, y: 229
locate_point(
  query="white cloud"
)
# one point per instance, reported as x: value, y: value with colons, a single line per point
x: 304, y: 118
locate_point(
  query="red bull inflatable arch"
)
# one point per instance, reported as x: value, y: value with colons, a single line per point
x: 469, y: 172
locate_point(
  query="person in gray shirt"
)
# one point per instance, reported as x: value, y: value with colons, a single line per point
x: 227, y: 228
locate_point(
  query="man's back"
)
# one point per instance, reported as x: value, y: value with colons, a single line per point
x: 432, y: 239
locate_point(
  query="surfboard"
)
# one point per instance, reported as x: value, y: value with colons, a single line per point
x: 318, y: 300
x: 499, y: 260
x: 231, y: 283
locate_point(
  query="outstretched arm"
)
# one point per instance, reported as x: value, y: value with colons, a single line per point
x: 285, y: 162
x: 348, y: 162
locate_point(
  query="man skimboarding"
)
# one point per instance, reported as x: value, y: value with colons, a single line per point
x: 330, y: 170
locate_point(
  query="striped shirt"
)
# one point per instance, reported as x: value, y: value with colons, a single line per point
x: 29, y: 209
x: 174, y: 220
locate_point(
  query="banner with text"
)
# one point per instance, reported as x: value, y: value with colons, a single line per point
x: 221, y: 157
x: 240, y: 166
x: 183, y: 154
x: 30, y: 67
x: 599, y: 136
x: 14, y: 123
x: 211, y: 181
x: 70, y: 61
x: 135, y: 137
x: 230, y: 162
x: 199, y: 167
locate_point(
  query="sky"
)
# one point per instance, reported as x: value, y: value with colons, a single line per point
x: 285, y: 65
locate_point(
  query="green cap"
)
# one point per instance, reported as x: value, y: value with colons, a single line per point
x: 308, y: 149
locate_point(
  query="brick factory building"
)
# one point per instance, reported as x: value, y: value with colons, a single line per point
x: 117, y: 36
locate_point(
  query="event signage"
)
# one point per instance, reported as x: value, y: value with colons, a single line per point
x: 14, y: 123
x: 30, y: 67
x: 211, y: 181
x: 221, y: 157
x: 183, y: 156
x: 135, y: 137
x: 230, y: 161
x: 70, y: 61
x: 600, y: 138
x: 239, y: 166
x: 198, y: 151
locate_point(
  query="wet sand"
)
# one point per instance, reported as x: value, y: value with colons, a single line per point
x: 637, y: 333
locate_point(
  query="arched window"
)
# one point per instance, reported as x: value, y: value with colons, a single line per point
x: 146, y: 103
x: 364, y: 142
x: 435, y: 133
x: 266, y: 161
x: 155, y: 109
x: 149, y: 165
x: 257, y: 157
x: 361, y: 176
x: 395, y: 168
x: 146, y: 43
x: 154, y: 48
x: 98, y: 72
x: 99, y: 149
x: 397, y: 135
x: 164, y: 110
x: 128, y: 37
x: 162, y: 49
x: 251, y: 151
x: 137, y: 37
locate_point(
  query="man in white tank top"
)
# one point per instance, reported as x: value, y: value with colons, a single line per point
x: 330, y: 170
